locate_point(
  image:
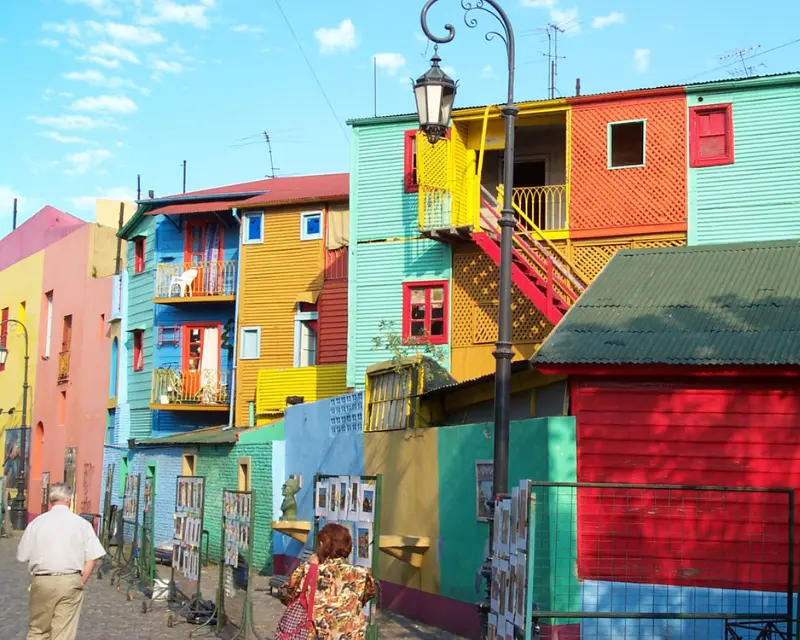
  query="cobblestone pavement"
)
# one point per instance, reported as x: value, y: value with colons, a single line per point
x: 108, y: 614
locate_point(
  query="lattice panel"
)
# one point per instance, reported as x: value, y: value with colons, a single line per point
x: 652, y: 195
x: 591, y: 257
x: 432, y: 162
x: 475, y: 305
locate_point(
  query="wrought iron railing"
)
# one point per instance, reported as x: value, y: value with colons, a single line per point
x: 63, y: 366
x: 546, y: 206
x: 195, y: 279
x: 208, y: 387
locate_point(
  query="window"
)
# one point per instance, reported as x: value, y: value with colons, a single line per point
x: 66, y: 333
x: 305, y: 339
x: 188, y: 467
x: 311, y: 225
x: 244, y: 474
x: 410, y: 181
x: 49, y: 336
x: 62, y: 408
x: 110, y: 434
x: 711, y: 135
x: 425, y: 311
x: 3, y: 333
x: 626, y: 144
x: 138, y: 350
x: 250, y: 348
x: 113, y: 375
x: 138, y: 255
x: 101, y: 327
x: 253, y: 229
x: 123, y: 474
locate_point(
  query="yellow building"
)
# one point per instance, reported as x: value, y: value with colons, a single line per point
x: 292, y: 315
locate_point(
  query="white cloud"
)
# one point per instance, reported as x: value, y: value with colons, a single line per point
x: 567, y: 19
x: 84, y: 160
x: 71, y: 122
x: 69, y: 28
x: 103, y: 7
x: 641, y: 60
x: 108, y: 51
x: 104, y: 62
x: 105, y: 104
x: 168, y: 11
x: 127, y: 33
x: 601, y: 22
x: 95, y: 77
x: 421, y: 37
x: 487, y: 72
x: 166, y: 66
x: 669, y: 27
x: 59, y: 137
x: 539, y: 4
x: 51, y: 44
x: 340, y: 38
x: 87, y: 204
x: 389, y: 62
x: 247, y: 28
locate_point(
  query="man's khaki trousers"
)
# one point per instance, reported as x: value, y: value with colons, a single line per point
x: 54, y: 607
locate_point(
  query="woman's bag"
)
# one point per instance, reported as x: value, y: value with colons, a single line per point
x: 297, y: 621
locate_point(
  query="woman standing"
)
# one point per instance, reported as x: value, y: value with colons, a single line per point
x: 342, y: 589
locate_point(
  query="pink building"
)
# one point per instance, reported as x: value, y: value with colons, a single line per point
x: 71, y: 388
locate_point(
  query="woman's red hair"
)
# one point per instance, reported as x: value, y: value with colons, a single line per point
x: 334, y: 541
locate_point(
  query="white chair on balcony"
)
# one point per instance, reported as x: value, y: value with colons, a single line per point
x: 183, y: 282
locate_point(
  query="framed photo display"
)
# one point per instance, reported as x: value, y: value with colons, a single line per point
x: 484, y: 483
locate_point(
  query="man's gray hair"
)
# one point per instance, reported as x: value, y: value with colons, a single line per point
x: 60, y: 492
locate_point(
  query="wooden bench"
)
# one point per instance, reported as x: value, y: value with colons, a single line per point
x: 276, y: 582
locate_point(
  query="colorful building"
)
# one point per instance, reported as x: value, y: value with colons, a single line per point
x: 684, y: 385
x: 292, y: 312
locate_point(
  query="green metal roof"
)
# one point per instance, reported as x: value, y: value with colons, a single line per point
x: 735, y: 304
x: 207, y: 436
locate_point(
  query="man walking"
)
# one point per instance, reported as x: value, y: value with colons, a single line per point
x: 61, y: 549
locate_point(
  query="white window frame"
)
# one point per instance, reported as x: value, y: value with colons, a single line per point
x: 299, y: 318
x: 49, y: 335
x: 246, y: 219
x: 242, y: 355
x: 305, y: 216
x: 644, y: 144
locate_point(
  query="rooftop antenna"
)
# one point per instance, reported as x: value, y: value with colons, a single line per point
x: 271, y: 163
x: 740, y: 56
x: 184, y: 176
x: 14, y: 219
x: 552, y: 58
x: 138, y: 186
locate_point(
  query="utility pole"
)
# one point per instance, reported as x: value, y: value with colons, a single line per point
x: 138, y: 186
x: 14, y: 219
x: 184, y: 176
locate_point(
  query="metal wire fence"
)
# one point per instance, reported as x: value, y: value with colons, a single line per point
x: 660, y: 561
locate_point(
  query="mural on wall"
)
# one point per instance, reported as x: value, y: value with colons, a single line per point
x: 484, y: 479
x: 12, y: 459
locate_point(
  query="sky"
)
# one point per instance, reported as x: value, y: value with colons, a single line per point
x: 95, y: 92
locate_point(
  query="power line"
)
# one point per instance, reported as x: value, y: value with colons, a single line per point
x: 313, y: 73
x: 730, y: 64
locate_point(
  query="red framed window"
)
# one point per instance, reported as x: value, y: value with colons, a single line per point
x: 3, y: 333
x: 138, y: 350
x: 425, y: 311
x: 410, y: 181
x: 138, y: 255
x: 711, y: 135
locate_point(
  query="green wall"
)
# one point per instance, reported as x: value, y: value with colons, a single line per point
x: 219, y: 465
x: 541, y: 449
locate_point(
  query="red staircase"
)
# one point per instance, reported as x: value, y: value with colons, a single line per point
x: 537, y: 268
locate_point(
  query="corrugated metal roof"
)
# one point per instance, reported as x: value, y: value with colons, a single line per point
x: 736, y: 304
x: 208, y: 436
x: 321, y: 188
x: 517, y: 366
x: 610, y: 94
x: 193, y: 207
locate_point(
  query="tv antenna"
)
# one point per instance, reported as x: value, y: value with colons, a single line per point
x: 552, y: 58
x: 269, y: 147
x: 740, y: 57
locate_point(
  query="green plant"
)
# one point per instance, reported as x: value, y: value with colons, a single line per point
x: 392, y: 341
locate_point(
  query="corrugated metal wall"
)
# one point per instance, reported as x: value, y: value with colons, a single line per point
x: 273, y: 274
x: 310, y: 383
x: 377, y: 273
x: 332, y: 347
x: 141, y: 288
x: 758, y: 196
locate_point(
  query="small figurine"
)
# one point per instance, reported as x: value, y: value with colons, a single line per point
x: 289, y: 504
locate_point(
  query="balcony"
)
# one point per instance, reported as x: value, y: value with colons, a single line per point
x: 183, y: 390
x: 63, y: 366
x: 193, y: 282
x: 545, y: 208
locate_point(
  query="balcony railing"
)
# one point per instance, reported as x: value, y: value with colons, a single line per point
x: 545, y: 206
x: 189, y: 389
x: 184, y: 280
x: 63, y: 366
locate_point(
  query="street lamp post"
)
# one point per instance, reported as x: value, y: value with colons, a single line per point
x: 435, y: 94
x: 18, y: 510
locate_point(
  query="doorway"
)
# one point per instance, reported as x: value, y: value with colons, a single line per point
x: 201, y: 361
x: 530, y: 173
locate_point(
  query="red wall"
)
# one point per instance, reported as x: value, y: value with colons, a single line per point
x: 332, y: 309
x: 66, y: 273
x: 729, y: 433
